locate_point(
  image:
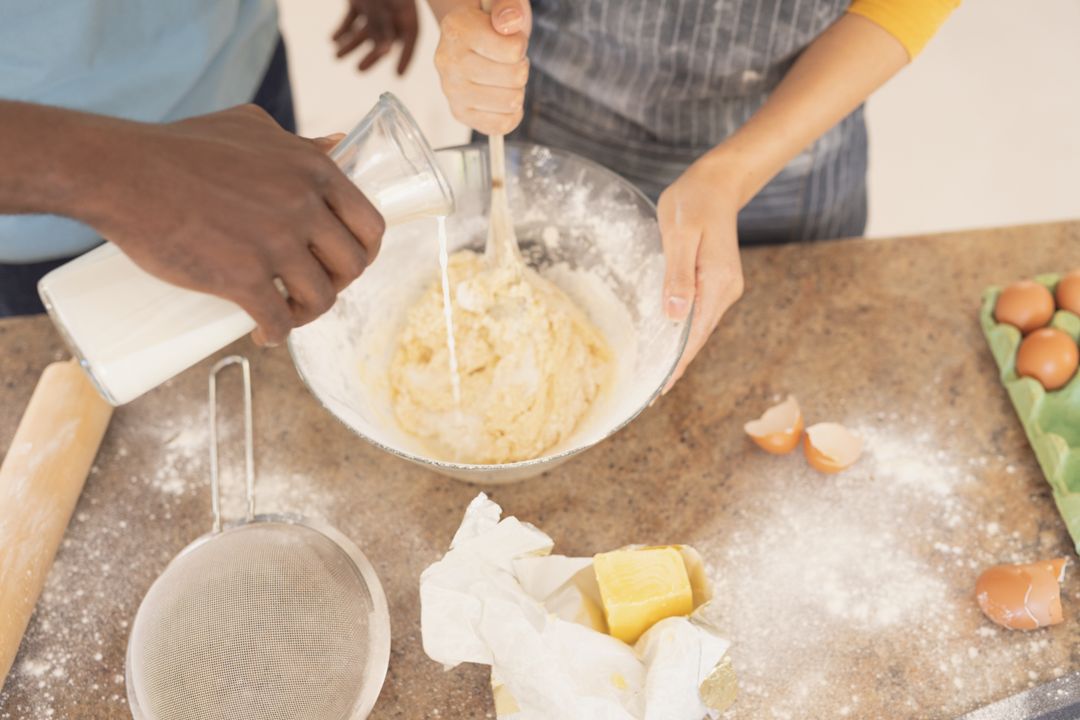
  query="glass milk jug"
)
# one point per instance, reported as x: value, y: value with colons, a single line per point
x: 131, y: 331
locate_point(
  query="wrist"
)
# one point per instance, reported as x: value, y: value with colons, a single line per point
x: 74, y: 159
x: 730, y: 171
x: 39, y: 145
x: 88, y: 165
x: 106, y: 169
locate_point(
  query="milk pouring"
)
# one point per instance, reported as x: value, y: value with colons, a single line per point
x: 131, y: 331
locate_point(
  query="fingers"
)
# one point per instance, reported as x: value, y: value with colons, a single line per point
x: 384, y: 24
x: 381, y: 20
x: 487, y: 96
x: 719, y: 284
x: 356, y: 213
x: 408, y: 31
x: 493, y: 103
x: 341, y: 255
x: 351, y: 15
x: 351, y: 41
x: 470, y: 30
x: 312, y: 277
x: 488, y: 123
x: 511, y: 16
x: 680, y: 287
x: 478, y: 70
x: 311, y: 292
x: 503, y: 101
x: 377, y: 53
x: 266, y: 306
x: 308, y: 293
x: 483, y: 73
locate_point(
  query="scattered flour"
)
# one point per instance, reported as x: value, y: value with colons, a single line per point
x: 184, y: 473
x: 91, y: 589
x: 817, y: 573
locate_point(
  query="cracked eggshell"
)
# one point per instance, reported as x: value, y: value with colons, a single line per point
x: 831, y: 447
x: 1022, y: 596
x: 778, y: 431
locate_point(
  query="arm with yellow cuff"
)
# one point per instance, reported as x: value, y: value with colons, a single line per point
x: 912, y: 22
x: 834, y: 75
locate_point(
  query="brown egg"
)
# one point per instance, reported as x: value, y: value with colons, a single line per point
x: 1048, y: 355
x: 1026, y: 305
x: 1022, y: 597
x: 1068, y: 292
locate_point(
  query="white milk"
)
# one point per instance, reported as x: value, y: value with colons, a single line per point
x: 448, y: 310
x: 131, y: 331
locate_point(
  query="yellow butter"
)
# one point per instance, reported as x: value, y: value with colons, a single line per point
x: 642, y: 587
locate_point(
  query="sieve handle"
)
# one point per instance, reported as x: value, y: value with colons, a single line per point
x: 249, y: 452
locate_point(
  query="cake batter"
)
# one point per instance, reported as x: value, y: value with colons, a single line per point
x: 530, y: 365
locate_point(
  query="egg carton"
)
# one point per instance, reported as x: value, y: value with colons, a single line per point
x: 1050, y: 419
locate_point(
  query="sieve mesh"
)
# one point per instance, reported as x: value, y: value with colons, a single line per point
x: 268, y: 620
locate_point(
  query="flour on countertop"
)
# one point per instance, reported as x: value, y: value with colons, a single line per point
x: 184, y: 471
x: 79, y: 606
x: 821, y: 570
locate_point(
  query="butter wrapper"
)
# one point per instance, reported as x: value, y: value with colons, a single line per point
x: 500, y: 598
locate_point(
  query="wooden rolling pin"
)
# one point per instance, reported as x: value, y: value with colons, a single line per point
x: 40, y: 481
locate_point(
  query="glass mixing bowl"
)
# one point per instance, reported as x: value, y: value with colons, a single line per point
x: 582, y: 226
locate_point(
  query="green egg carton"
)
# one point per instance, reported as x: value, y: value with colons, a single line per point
x: 1050, y: 419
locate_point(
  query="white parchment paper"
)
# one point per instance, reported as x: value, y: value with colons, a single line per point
x: 500, y: 598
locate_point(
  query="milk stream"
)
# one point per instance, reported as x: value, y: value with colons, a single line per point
x: 448, y: 311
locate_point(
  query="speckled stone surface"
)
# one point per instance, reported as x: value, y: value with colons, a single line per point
x: 881, y: 335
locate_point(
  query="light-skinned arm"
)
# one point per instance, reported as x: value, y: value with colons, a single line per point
x: 481, y: 61
x: 697, y: 213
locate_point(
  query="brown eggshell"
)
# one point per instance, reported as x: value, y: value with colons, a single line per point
x: 1022, y: 597
x: 779, y: 429
x: 1048, y: 355
x: 1067, y: 293
x: 831, y: 447
x: 1026, y: 305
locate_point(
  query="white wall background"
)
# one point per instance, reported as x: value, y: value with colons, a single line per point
x: 983, y: 129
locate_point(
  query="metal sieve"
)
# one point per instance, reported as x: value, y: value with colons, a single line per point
x: 271, y: 618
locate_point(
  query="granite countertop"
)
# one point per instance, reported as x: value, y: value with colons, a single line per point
x: 846, y: 595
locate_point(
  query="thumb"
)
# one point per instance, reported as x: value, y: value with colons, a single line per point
x: 327, y: 142
x: 511, y: 16
x: 681, y: 245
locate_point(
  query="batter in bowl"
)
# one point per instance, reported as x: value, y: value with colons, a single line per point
x: 530, y: 365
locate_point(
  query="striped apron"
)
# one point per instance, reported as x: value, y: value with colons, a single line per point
x: 646, y: 87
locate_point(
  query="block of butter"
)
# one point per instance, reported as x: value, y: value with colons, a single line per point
x: 640, y: 587
x: 499, y: 597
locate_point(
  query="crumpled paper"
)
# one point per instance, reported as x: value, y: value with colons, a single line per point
x: 500, y: 598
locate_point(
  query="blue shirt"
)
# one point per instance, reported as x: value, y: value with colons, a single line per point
x: 148, y: 60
